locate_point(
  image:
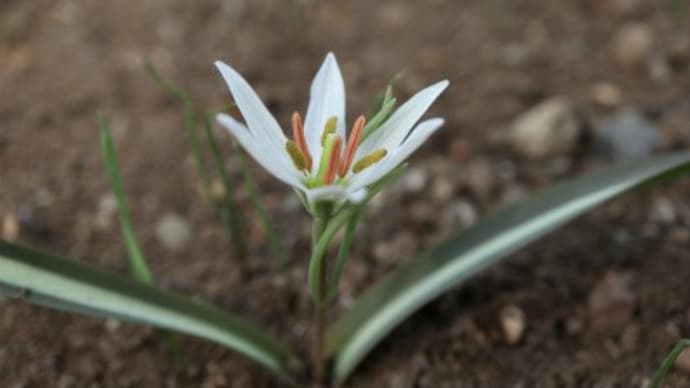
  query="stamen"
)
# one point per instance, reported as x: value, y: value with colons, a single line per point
x: 328, y: 129
x: 298, y: 135
x: 296, y: 155
x: 352, y: 144
x: 333, y: 161
x: 368, y: 160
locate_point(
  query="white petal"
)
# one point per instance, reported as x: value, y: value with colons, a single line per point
x: 327, y: 98
x: 396, y: 155
x: 263, y: 125
x: 396, y: 128
x: 261, y: 152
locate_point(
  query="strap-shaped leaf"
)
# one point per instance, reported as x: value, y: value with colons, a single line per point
x: 68, y: 285
x: 394, y: 298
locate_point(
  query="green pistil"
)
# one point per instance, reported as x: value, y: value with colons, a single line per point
x: 328, y: 129
x: 329, y: 142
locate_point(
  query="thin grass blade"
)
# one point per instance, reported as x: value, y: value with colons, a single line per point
x: 225, y: 210
x: 137, y: 261
x: 260, y: 209
x: 190, y: 122
x: 228, y: 208
x: 668, y: 362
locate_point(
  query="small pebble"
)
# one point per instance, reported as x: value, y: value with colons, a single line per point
x: 606, y: 95
x: 461, y: 214
x: 479, y: 176
x: 621, y: 7
x: 679, y: 52
x: 663, y: 210
x: 611, y: 302
x: 43, y: 197
x: 10, y: 227
x: 659, y: 69
x: 442, y: 189
x: 627, y: 135
x: 633, y: 43
x: 112, y: 324
x: 404, y: 244
x: 415, y: 179
x: 550, y: 128
x: 218, y: 190
x: 173, y: 231
x: 574, y: 325
x: 107, y: 207
x: 513, y: 322
x: 683, y: 361
x: 66, y: 381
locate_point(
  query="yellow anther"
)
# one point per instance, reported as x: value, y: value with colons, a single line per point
x: 328, y: 129
x: 369, y: 160
x: 297, y: 157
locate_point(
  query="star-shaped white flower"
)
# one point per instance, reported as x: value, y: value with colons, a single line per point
x: 318, y: 162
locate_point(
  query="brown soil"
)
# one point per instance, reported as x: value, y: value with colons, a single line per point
x: 64, y: 61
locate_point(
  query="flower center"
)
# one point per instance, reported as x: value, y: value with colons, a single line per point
x: 333, y: 163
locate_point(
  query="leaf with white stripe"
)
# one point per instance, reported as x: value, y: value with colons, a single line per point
x: 68, y: 285
x: 397, y: 296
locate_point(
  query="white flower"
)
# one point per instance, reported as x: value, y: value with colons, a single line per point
x: 319, y: 162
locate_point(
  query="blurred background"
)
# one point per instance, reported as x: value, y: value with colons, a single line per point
x: 540, y: 91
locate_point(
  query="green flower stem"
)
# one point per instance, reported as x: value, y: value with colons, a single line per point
x: 343, y: 255
x: 668, y: 362
x: 320, y: 246
x: 325, y: 227
x: 322, y: 215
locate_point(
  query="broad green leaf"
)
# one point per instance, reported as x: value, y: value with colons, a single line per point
x: 55, y: 282
x: 393, y: 299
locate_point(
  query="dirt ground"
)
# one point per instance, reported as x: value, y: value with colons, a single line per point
x: 63, y: 61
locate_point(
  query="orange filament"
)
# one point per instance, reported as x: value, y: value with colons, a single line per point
x: 333, y: 161
x: 352, y: 143
x: 298, y: 135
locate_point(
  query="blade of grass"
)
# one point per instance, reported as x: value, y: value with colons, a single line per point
x: 190, y: 122
x: 229, y: 213
x: 137, y: 261
x: 225, y: 211
x: 668, y: 362
x: 260, y: 210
